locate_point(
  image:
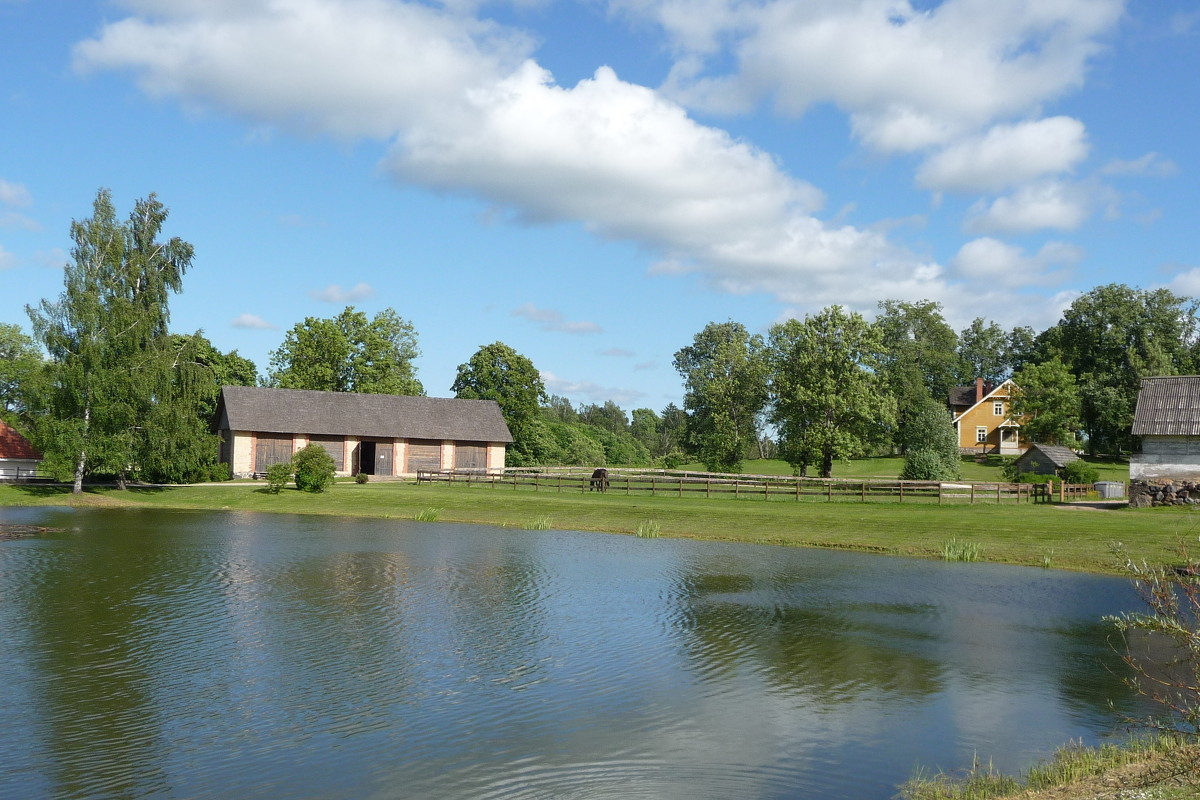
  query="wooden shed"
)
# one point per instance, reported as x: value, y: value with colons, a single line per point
x: 18, y: 458
x: 1045, y: 459
x: 379, y: 434
x: 1167, y: 421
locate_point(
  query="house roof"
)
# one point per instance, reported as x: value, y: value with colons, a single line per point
x: 964, y: 395
x: 1168, y: 406
x: 1057, y: 455
x: 254, y: 408
x: 14, y: 445
x: 988, y: 391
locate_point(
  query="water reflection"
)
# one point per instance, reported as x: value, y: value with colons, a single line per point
x: 185, y: 655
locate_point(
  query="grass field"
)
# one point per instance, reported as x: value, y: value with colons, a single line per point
x: 1111, y: 469
x: 1037, y: 535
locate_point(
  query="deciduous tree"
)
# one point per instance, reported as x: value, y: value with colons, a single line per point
x: 724, y: 375
x: 497, y: 372
x: 1047, y: 402
x: 919, y: 357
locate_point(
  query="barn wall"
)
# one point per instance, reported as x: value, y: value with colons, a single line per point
x: 495, y: 457
x: 242, y: 450
x: 1166, y: 457
x: 12, y: 468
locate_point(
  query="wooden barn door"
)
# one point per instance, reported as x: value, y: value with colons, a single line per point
x: 470, y: 457
x: 383, y: 458
x: 272, y: 448
x: 424, y: 454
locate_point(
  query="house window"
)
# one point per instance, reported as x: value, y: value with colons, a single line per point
x: 981, y: 434
x: 998, y: 408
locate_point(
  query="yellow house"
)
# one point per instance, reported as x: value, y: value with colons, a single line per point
x: 982, y: 417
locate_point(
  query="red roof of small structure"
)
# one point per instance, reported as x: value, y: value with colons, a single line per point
x: 14, y: 445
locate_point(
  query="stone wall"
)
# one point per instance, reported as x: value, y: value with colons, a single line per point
x: 1146, y: 493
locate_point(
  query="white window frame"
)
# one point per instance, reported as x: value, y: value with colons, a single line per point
x: 981, y: 434
x: 998, y: 408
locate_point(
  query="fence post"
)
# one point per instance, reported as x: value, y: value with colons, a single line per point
x: 681, y: 486
x: 939, y: 493
x: 708, y: 487
x: 901, y: 491
x: 767, y: 489
x: 829, y: 490
x: 1062, y: 491
x: 972, y: 494
x: 737, y: 487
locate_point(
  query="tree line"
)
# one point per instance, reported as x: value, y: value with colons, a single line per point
x: 104, y: 388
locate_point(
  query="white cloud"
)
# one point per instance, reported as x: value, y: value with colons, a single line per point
x: 593, y: 392
x: 909, y: 77
x: 1186, y: 283
x: 7, y: 259
x: 1038, y: 206
x: 347, y: 68
x: 617, y: 352
x: 988, y: 261
x: 14, y: 194
x: 252, y: 322
x: 11, y: 219
x: 1151, y: 165
x: 551, y: 320
x: 54, y: 258
x: 1007, y: 155
x: 334, y: 293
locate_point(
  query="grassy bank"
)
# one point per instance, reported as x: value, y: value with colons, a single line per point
x: 985, y: 469
x: 1156, y: 768
x: 1036, y: 535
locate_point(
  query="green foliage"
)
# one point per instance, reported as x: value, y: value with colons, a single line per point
x: 427, y: 515
x: 927, y: 465
x: 1111, y: 338
x: 725, y: 387
x: 983, y: 352
x: 218, y: 472
x: 117, y: 396
x: 1047, y: 401
x: 648, y: 529
x: 497, y: 372
x: 610, y: 417
x: 314, y: 468
x: 917, y: 357
x: 361, y: 478
x: 827, y: 399
x: 930, y: 430
x: 958, y: 550
x: 278, y: 476
x: 538, y: 524
x: 1080, y: 472
x: 349, y: 353
x: 21, y: 366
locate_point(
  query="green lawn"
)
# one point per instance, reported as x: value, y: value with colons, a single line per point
x: 1010, y: 533
x: 1111, y: 469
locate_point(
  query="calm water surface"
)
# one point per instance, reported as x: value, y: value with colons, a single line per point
x: 195, y: 655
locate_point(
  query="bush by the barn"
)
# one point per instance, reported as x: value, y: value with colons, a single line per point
x: 1080, y: 472
x: 314, y: 468
x: 278, y: 476
x: 928, y: 465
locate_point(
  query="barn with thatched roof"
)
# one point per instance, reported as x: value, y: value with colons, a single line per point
x: 377, y: 434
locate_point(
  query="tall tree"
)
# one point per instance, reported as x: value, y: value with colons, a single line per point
x: 983, y: 353
x: 497, y: 372
x: 644, y: 424
x: 114, y: 368
x: 828, y: 400
x: 349, y: 353
x: 1111, y: 338
x: 919, y: 356
x: 1047, y: 401
x: 21, y: 364
x: 724, y: 375
x: 1021, y: 348
x: 610, y: 416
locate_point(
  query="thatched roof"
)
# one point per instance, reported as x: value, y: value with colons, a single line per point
x: 387, y: 416
x: 1055, y: 454
x: 1168, y: 407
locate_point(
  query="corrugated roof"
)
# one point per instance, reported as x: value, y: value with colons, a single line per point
x: 1168, y: 406
x: 254, y: 408
x: 14, y: 445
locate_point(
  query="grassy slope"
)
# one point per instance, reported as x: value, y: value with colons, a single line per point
x: 1018, y: 534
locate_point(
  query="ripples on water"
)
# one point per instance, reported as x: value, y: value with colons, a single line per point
x: 152, y: 654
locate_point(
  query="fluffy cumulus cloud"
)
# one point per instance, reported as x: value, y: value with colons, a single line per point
x: 990, y: 261
x: 1007, y: 155
x: 334, y: 293
x: 910, y: 75
x: 551, y: 320
x: 1043, y: 205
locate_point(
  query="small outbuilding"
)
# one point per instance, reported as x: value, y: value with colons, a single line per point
x: 377, y: 434
x: 1045, y: 459
x: 18, y: 458
x: 1167, y: 421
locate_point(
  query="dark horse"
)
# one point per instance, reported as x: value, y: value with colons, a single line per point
x: 599, y: 480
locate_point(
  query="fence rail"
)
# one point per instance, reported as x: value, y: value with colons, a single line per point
x: 765, y: 487
x: 21, y: 475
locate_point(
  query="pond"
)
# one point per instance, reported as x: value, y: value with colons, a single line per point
x: 174, y: 654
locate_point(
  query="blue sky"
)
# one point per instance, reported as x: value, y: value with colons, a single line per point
x: 592, y: 182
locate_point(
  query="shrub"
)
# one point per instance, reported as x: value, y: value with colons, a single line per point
x: 219, y: 472
x: 314, y: 468
x: 1080, y: 472
x: 278, y: 476
x: 673, y: 460
x: 361, y: 478
x: 927, y: 465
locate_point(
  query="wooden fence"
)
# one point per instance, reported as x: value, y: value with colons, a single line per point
x: 763, y: 487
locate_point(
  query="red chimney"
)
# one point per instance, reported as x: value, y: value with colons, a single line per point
x: 979, y: 390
